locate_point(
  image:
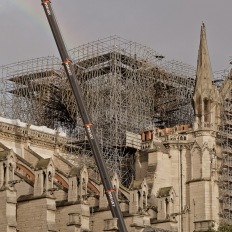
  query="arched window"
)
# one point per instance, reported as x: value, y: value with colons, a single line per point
x: 4, y: 172
x: 206, y: 110
x: 83, y: 184
x: 139, y: 198
x: 144, y: 200
x: 11, y: 173
x: 196, y: 164
x: 167, y: 208
x: 44, y: 181
x: 49, y: 176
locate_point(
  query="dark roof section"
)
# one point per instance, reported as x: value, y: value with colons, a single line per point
x: 42, y: 164
x: 164, y: 192
x: 75, y: 171
x: 136, y: 184
x: 160, y: 147
x: 3, y: 155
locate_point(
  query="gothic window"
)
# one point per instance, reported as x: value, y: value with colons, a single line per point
x: 207, y: 164
x: 49, y: 176
x: 206, y: 110
x: 167, y: 208
x: 83, y: 184
x: 196, y: 164
x: 44, y: 181
x: 72, y: 185
x: 11, y: 174
x: 4, y: 171
x: 139, y: 198
x: 144, y: 200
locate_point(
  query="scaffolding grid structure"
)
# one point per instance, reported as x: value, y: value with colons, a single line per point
x: 127, y: 87
x: 225, y: 182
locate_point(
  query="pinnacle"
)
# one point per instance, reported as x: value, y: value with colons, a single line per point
x: 204, y: 71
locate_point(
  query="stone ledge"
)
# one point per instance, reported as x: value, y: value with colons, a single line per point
x: 154, y: 221
x: 51, y: 207
x: 67, y: 203
x: 150, y: 229
x: 32, y: 197
x: 136, y: 225
x: 198, y: 180
x: 52, y: 227
x: 11, y: 200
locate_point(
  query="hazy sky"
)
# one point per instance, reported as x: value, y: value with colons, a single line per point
x: 171, y: 27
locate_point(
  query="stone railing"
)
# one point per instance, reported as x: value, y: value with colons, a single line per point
x: 19, y: 130
x: 207, y: 125
x: 176, y: 138
x: 147, y: 145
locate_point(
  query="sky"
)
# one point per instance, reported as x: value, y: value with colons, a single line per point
x: 170, y: 27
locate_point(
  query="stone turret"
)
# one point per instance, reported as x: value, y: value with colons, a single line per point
x: 7, y: 192
x: 44, y: 175
x: 206, y: 97
x: 7, y: 167
x: 166, y: 197
x: 138, y: 196
x: 103, y: 202
x: 203, y: 159
x: 78, y: 180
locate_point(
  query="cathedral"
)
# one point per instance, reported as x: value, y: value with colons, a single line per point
x: 175, y: 186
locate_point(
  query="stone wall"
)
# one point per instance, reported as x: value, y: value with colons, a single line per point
x: 36, y: 214
x: 64, y: 215
x: 8, y: 211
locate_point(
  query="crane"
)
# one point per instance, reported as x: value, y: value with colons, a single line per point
x: 88, y: 125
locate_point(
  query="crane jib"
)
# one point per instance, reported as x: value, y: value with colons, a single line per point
x: 76, y: 89
x: 45, y: 3
x: 66, y: 64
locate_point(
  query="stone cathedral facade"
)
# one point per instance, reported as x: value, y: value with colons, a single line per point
x: 175, y: 185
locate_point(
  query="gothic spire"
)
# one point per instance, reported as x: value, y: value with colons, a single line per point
x: 204, y: 71
x: 206, y: 96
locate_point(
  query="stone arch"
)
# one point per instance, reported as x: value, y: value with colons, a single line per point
x: 93, y: 188
x: 84, y: 179
x: 61, y: 181
x: 21, y: 169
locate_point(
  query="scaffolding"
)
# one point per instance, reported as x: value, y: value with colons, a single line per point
x: 225, y: 183
x: 127, y: 87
